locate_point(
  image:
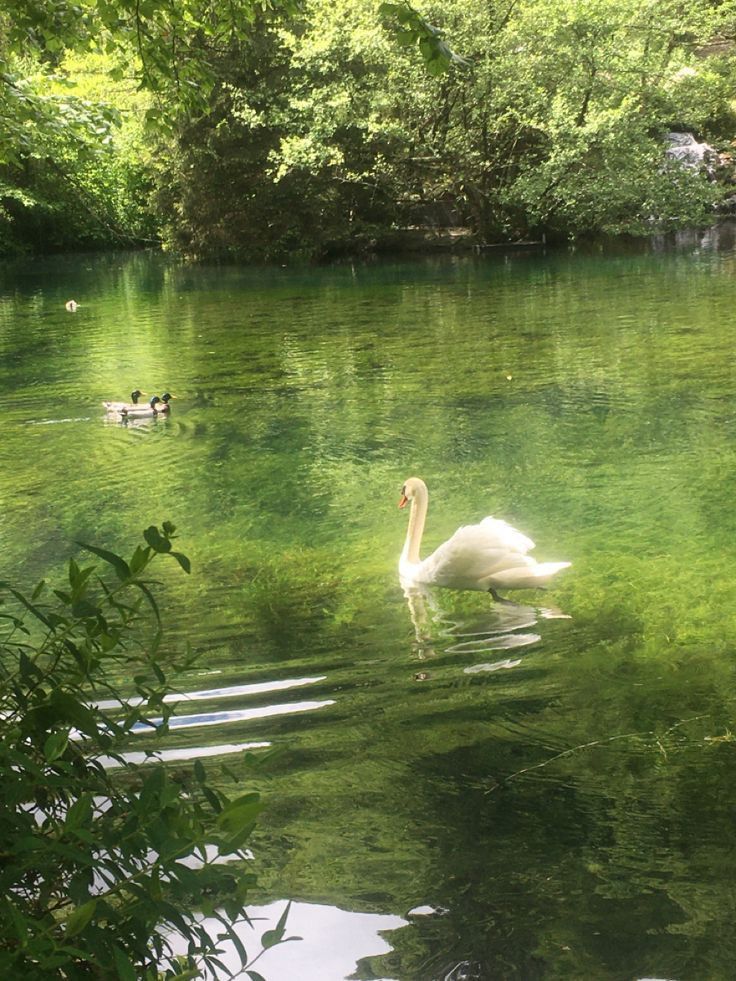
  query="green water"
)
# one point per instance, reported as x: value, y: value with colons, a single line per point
x: 552, y: 782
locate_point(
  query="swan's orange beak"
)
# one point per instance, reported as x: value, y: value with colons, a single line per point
x: 404, y: 501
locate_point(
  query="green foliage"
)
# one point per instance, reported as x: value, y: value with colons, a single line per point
x: 76, y: 174
x: 414, y: 29
x: 166, y: 46
x: 326, y: 134
x: 104, y: 861
x: 295, y: 173
x: 285, y: 129
x: 63, y: 181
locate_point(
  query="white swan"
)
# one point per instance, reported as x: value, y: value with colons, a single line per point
x: 488, y: 556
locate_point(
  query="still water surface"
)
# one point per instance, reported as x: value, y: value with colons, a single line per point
x: 466, y: 790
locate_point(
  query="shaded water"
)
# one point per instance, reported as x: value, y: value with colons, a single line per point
x: 537, y: 791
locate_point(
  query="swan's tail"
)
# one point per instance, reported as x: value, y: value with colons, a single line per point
x: 527, y: 576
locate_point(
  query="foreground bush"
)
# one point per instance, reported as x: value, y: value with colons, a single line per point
x: 105, y: 862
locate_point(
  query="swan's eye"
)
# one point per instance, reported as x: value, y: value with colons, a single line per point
x: 403, y: 490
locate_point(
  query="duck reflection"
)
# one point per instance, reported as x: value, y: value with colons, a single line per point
x: 502, y: 627
x: 139, y: 423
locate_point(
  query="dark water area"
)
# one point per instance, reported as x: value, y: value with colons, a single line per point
x: 465, y: 789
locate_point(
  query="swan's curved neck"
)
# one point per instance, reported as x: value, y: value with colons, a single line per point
x: 414, y: 532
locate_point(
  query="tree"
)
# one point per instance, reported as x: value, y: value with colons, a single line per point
x: 50, y: 140
x: 552, y: 122
x: 317, y: 127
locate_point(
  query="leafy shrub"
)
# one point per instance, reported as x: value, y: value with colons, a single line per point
x: 105, y: 861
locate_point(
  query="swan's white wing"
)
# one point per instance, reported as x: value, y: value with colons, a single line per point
x: 503, y: 533
x: 475, y: 553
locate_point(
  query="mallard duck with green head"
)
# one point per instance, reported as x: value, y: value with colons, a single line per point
x: 157, y: 406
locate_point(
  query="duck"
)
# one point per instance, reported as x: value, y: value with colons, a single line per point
x: 157, y: 406
x: 145, y: 411
x: 489, y: 556
x: 119, y: 406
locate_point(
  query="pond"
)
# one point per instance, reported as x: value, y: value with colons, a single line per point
x: 465, y: 789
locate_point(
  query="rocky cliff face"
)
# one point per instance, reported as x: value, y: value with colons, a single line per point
x: 720, y: 166
x: 685, y: 148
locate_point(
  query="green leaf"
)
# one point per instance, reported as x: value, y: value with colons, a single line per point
x: 213, y: 799
x: 119, y: 564
x: 276, y: 936
x: 153, y: 788
x: 29, y: 606
x: 80, y: 917
x: 236, y: 842
x: 237, y: 814
x: 235, y: 940
x: 20, y: 922
x: 149, y: 596
x: 281, y: 925
x: 182, y: 560
x: 79, y: 813
x: 437, y: 65
x: 139, y: 559
x: 155, y: 539
x: 55, y: 745
x: 125, y: 970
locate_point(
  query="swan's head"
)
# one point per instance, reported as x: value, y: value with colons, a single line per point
x: 411, y: 488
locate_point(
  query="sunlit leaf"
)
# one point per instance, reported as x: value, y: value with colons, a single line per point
x: 55, y: 745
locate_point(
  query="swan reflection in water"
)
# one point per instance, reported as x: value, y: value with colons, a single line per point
x: 502, y: 627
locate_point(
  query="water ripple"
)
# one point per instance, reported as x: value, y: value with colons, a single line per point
x: 207, y: 694
x: 242, y: 715
x: 174, y: 755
